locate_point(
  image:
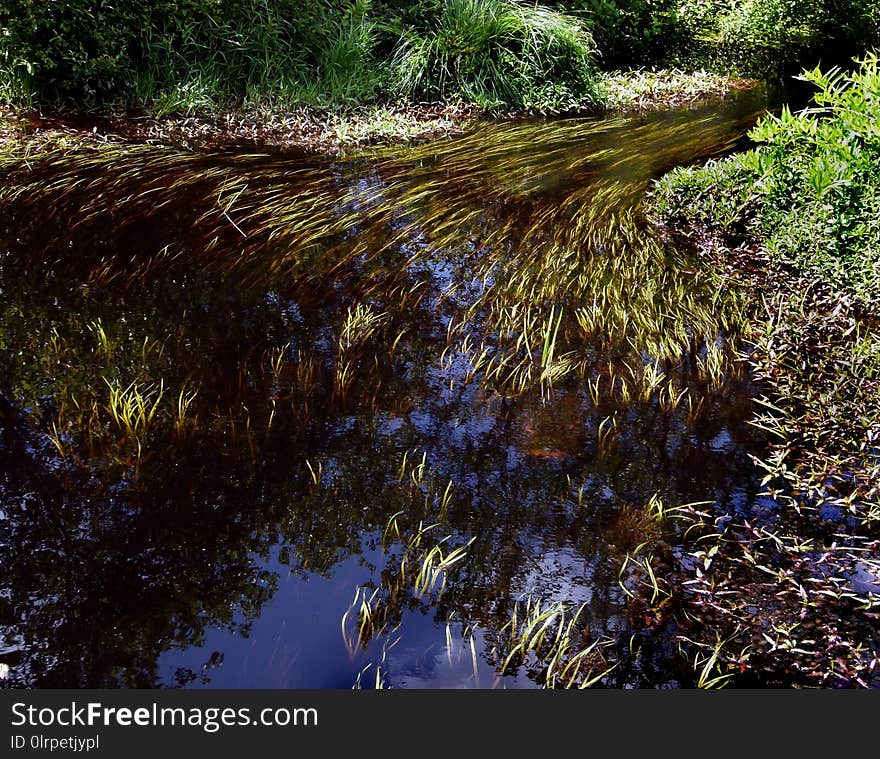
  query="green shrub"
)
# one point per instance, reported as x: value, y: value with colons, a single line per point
x: 630, y: 33
x: 763, y: 34
x: 779, y: 37
x: 78, y: 47
x: 810, y: 193
x: 755, y: 37
x: 497, y: 52
x: 187, y: 53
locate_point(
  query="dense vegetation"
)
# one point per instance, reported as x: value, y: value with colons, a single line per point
x: 197, y: 54
x: 796, y: 223
x: 810, y: 192
x: 748, y: 36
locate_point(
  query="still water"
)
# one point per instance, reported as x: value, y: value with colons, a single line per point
x: 418, y: 418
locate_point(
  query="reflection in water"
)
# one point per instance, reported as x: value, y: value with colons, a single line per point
x: 415, y: 419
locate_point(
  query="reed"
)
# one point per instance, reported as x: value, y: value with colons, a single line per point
x: 435, y: 565
x: 550, y: 637
x: 133, y: 407
x: 182, y: 418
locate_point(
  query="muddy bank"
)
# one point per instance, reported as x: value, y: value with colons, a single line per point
x: 303, y: 131
x: 311, y: 131
x: 787, y: 595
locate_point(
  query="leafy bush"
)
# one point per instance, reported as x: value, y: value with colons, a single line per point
x: 78, y: 47
x: 762, y: 37
x: 779, y: 37
x: 810, y: 193
x: 494, y: 52
x: 631, y: 33
x: 761, y: 34
x: 186, y: 52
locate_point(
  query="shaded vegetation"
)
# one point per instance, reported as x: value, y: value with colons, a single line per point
x: 752, y: 37
x: 204, y: 55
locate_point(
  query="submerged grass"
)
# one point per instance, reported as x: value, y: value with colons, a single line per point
x: 417, y: 562
x: 581, y: 277
x: 508, y: 268
x: 551, y: 639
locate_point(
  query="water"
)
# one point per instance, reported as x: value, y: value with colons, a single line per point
x: 244, y: 395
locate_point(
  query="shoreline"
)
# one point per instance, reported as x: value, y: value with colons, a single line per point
x: 790, y: 588
x: 310, y: 131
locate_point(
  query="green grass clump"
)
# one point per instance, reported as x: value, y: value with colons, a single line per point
x: 497, y: 52
x: 198, y: 56
x: 810, y: 192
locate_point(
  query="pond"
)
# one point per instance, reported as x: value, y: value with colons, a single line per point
x: 418, y: 418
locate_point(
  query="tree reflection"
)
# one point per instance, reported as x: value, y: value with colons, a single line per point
x: 189, y: 405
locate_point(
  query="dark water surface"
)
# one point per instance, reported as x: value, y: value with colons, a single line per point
x: 245, y: 400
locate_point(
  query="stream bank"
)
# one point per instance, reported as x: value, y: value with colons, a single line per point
x: 344, y: 131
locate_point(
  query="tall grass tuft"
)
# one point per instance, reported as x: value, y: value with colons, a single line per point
x: 494, y: 52
x: 287, y: 52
